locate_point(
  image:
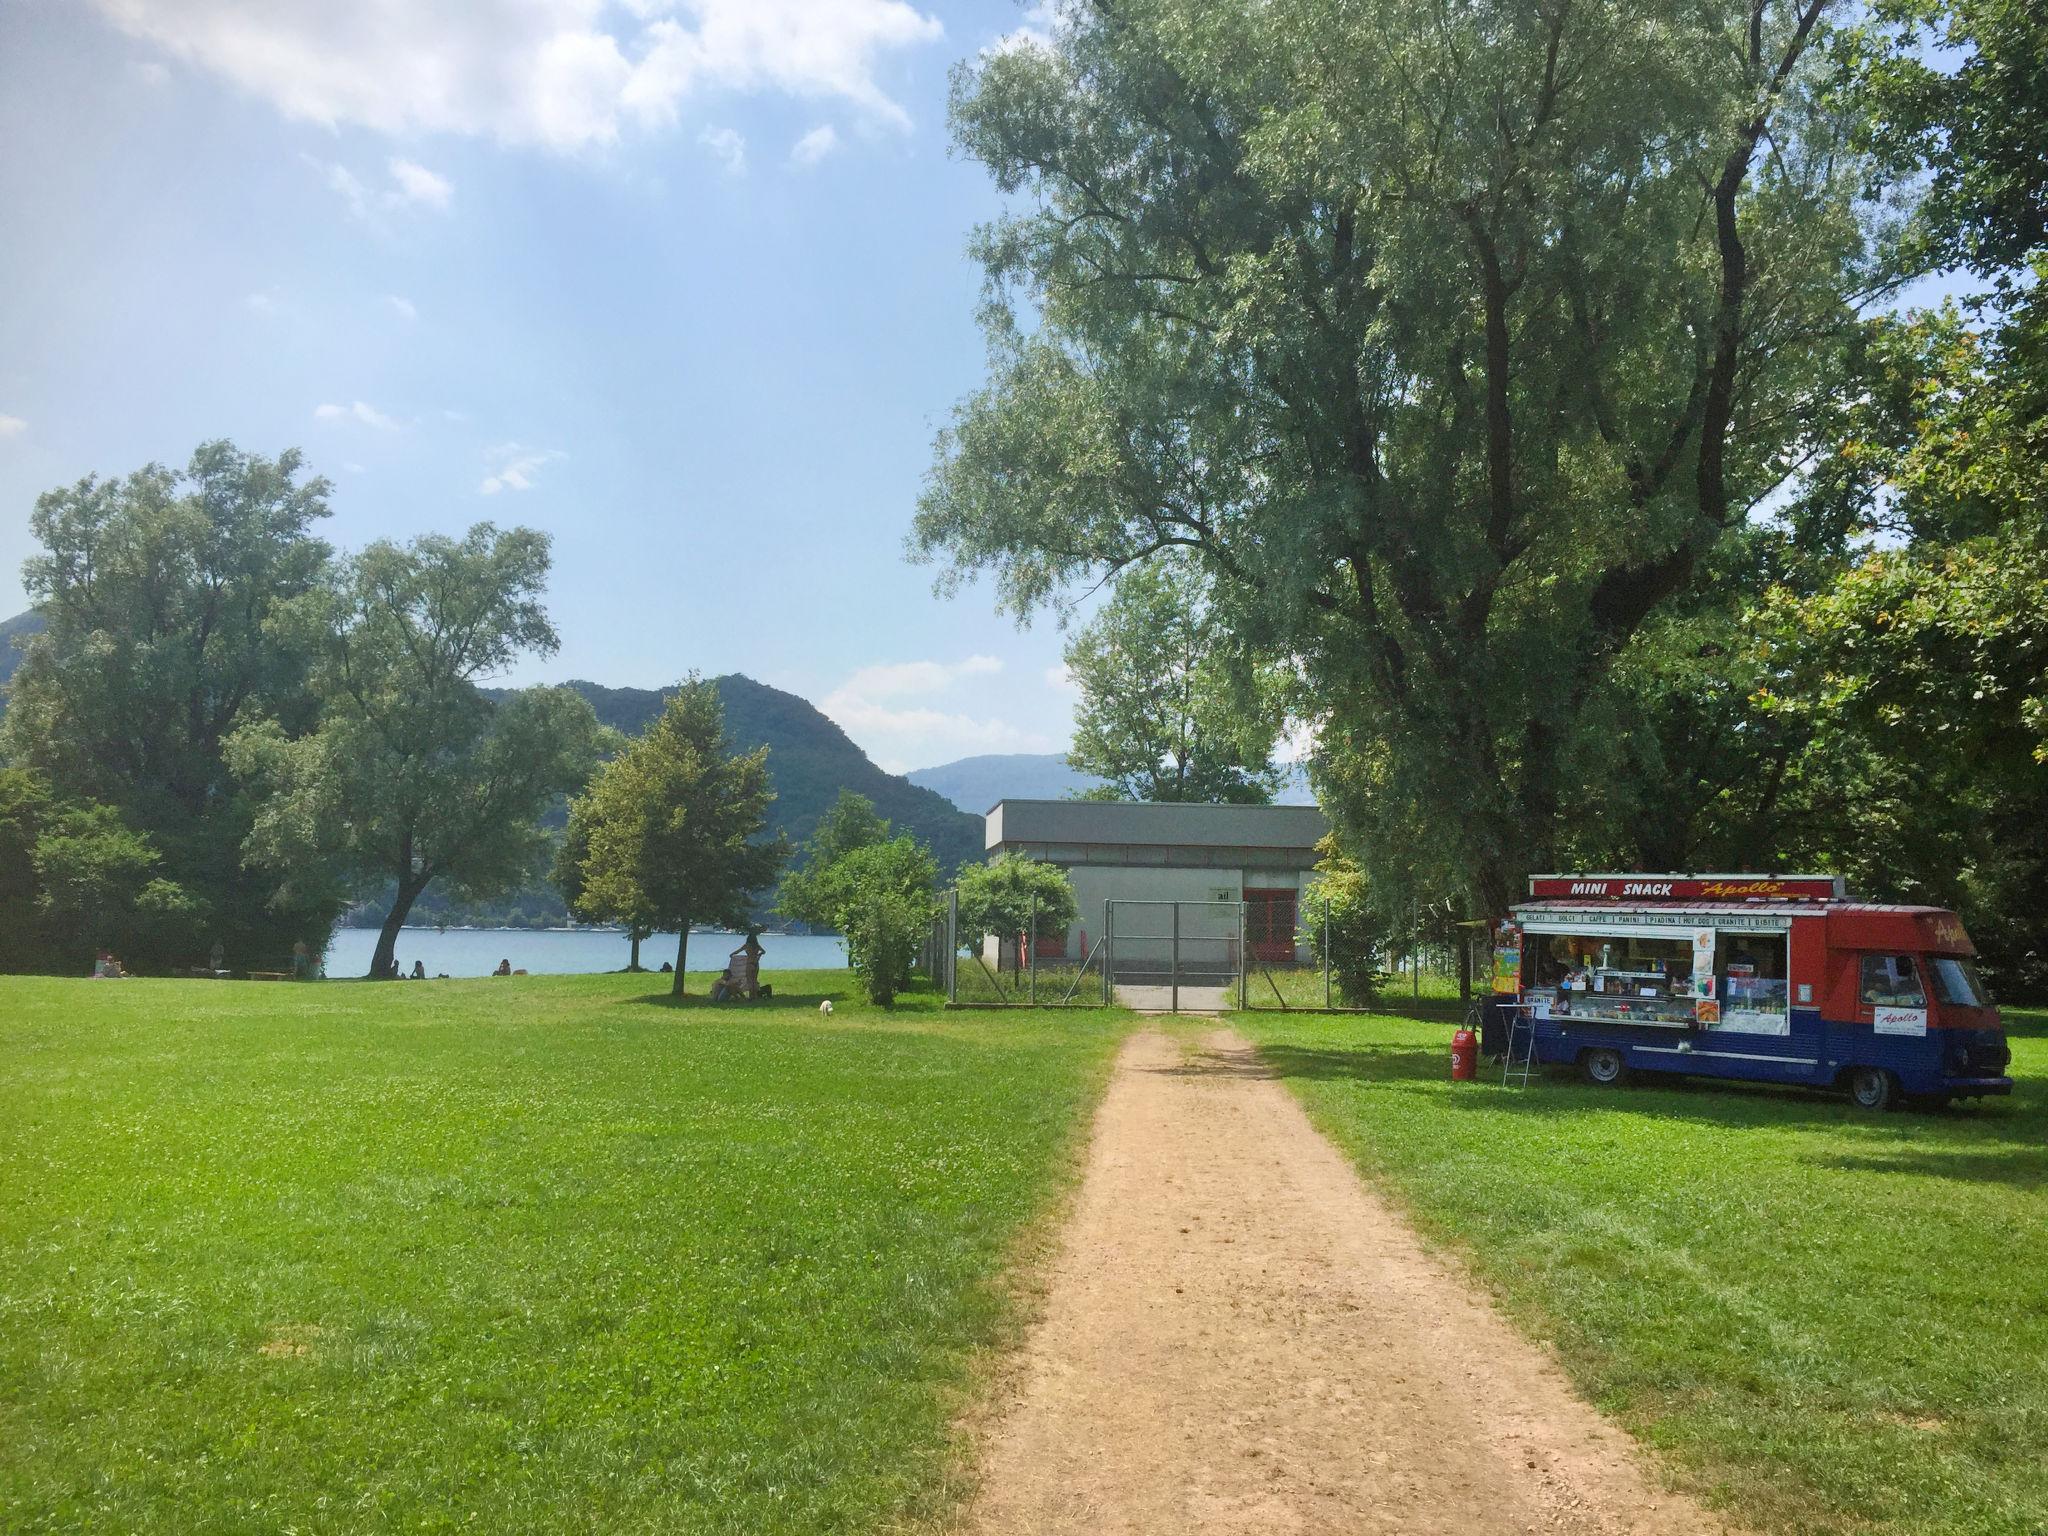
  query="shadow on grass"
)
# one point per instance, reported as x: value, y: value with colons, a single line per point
x: 2024, y: 1166
x: 1555, y: 1092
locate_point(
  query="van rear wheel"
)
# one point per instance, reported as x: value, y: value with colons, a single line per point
x: 1603, y: 1066
x: 1872, y: 1088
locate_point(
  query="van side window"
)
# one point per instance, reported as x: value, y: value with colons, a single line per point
x: 1892, y: 981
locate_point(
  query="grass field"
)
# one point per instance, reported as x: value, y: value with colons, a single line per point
x: 1828, y: 1321
x: 536, y: 1254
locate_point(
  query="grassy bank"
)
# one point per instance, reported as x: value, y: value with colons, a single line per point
x: 1826, y: 1320
x: 540, y: 1254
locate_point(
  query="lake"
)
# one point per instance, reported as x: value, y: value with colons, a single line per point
x: 570, y: 951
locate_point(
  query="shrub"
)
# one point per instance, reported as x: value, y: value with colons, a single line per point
x: 997, y: 898
x: 884, y: 930
x: 1355, y: 933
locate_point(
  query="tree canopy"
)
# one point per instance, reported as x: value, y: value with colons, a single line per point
x: 1453, y: 342
x: 413, y: 775
x: 674, y: 824
x: 1171, y: 708
x: 161, y: 594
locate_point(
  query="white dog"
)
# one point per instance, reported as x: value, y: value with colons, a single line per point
x: 825, y: 1006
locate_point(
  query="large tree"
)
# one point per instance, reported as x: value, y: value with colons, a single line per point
x: 1453, y: 341
x: 413, y: 775
x: 161, y: 593
x: 1171, y: 707
x: 673, y: 826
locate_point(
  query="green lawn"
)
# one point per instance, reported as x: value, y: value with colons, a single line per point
x: 540, y: 1254
x: 1828, y: 1321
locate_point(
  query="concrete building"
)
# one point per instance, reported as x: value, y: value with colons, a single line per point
x: 1260, y: 855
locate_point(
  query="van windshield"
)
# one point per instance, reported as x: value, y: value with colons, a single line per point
x: 1956, y: 981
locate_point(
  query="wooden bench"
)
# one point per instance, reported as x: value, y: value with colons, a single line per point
x: 270, y: 975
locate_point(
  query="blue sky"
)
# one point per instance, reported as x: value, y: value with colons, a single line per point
x: 679, y: 281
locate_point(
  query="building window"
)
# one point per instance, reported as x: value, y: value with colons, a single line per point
x: 1269, y: 923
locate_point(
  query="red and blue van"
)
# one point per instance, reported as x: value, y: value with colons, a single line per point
x: 1764, y: 978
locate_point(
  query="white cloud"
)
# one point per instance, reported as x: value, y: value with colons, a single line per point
x: 513, y: 466
x: 893, y: 712
x: 360, y: 412
x: 411, y: 186
x: 265, y: 301
x: 1042, y: 21
x: 729, y: 146
x: 566, y: 74
x: 417, y: 184
x: 815, y: 145
x: 149, y: 72
x: 403, y: 307
x: 1060, y: 679
x: 12, y: 426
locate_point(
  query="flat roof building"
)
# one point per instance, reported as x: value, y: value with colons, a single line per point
x: 1117, y: 850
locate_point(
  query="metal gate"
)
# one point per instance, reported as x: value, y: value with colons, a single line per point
x: 1161, y: 955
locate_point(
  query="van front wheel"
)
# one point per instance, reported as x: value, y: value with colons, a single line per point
x: 1872, y: 1088
x: 1603, y: 1066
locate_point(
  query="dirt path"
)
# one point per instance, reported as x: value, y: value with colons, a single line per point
x: 1239, y: 1336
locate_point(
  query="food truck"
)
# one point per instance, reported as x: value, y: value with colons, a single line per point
x: 1768, y: 978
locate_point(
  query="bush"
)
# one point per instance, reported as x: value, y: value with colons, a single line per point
x: 885, y: 928
x: 997, y: 898
x: 1356, y: 935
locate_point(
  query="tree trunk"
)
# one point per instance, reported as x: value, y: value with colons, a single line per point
x: 634, y: 935
x: 387, y: 936
x: 682, y: 957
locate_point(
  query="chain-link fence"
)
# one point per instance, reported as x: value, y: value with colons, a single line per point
x: 1163, y: 955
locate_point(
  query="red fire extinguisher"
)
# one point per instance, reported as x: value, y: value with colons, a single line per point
x: 1464, y: 1056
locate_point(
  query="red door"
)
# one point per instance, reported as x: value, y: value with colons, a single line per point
x: 1269, y: 923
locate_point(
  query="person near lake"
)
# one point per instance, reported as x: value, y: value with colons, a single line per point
x: 504, y: 968
x: 302, y: 960
x: 419, y: 970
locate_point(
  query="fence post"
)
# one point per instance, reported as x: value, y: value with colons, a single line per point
x: 953, y: 946
x: 1244, y: 961
x: 1174, y: 989
x: 1326, y: 954
x: 1031, y: 938
x: 1107, y: 947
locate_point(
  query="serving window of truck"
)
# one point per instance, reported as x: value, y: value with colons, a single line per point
x: 1764, y: 977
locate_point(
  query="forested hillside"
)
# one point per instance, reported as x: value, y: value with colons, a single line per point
x: 809, y: 758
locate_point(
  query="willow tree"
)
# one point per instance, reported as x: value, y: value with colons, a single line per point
x: 1452, y: 338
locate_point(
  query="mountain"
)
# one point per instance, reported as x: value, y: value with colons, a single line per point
x: 810, y: 760
x: 21, y: 626
x: 976, y: 783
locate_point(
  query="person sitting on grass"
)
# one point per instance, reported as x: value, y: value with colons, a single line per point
x: 419, y: 970
x: 504, y: 968
x: 107, y: 968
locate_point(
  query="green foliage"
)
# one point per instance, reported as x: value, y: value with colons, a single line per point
x: 413, y: 775
x: 672, y: 826
x: 1453, y: 342
x: 1341, y: 927
x: 875, y: 889
x: 812, y: 891
x: 75, y: 878
x: 885, y: 928
x: 1170, y: 708
x: 1959, y: 88
x: 999, y: 898
x: 160, y: 598
x: 732, y: 1276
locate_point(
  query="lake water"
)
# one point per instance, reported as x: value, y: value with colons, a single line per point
x: 571, y: 951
